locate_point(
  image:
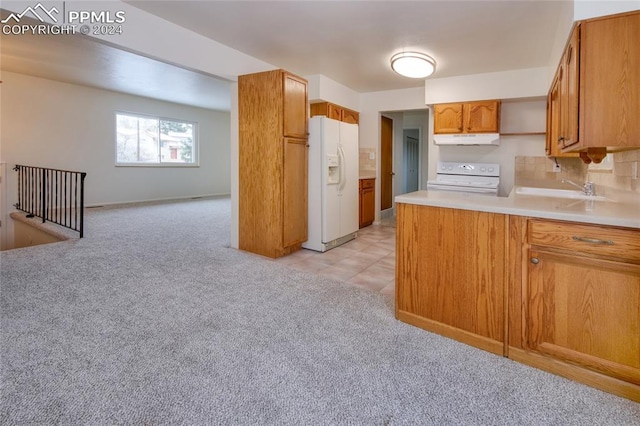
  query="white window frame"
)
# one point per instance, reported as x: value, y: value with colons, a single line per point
x: 160, y: 163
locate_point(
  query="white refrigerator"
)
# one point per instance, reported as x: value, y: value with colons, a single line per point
x: 333, y: 183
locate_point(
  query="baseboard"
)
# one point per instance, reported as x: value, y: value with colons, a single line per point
x: 576, y: 373
x: 158, y: 200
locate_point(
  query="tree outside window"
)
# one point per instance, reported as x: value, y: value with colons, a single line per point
x: 143, y: 140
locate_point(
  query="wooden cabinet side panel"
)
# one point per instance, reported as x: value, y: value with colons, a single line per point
x: 260, y: 162
x: 447, y: 118
x: 295, y: 192
x: 610, y: 70
x: 295, y: 106
x: 586, y: 311
x: 407, y: 257
x: 461, y: 285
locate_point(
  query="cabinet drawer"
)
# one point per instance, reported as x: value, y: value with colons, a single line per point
x: 367, y: 183
x: 598, y: 240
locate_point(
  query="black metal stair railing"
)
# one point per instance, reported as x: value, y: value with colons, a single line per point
x: 53, y: 195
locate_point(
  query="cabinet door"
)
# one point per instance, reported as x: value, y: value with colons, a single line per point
x: 553, y: 147
x: 295, y: 107
x: 334, y: 111
x: 586, y: 311
x: 367, y: 202
x: 349, y: 116
x: 553, y: 115
x: 482, y: 117
x: 295, y: 192
x: 570, y: 90
x: 447, y: 118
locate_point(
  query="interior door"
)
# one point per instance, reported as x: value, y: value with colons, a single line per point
x: 411, y: 161
x: 386, y: 163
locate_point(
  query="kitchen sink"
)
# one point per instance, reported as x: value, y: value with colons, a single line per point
x: 559, y: 193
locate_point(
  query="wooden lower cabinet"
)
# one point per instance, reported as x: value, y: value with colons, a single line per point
x: 450, y: 273
x: 367, y: 208
x: 560, y: 296
x: 574, y: 305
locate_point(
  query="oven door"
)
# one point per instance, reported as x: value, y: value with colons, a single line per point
x: 439, y: 186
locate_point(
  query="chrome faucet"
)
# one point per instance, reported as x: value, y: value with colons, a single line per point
x: 588, y: 188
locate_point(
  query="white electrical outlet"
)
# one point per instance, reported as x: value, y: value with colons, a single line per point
x: 557, y: 168
x: 372, y: 156
x: 634, y: 170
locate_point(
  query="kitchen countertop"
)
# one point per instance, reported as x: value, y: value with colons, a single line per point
x: 368, y: 175
x: 622, y: 213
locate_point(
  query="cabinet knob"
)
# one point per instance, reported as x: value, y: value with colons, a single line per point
x: 560, y: 138
x: 535, y: 260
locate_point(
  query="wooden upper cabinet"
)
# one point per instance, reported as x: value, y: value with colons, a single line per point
x: 295, y: 106
x: 447, y: 118
x: 610, y: 82
x: 570, y: 91
x: 482, y: 117
x: 553, y: 110
x: 335, y: 112
x: 553, y: 145
x: 467, y: 117
x: 349, y: 116
x: 599, y: 88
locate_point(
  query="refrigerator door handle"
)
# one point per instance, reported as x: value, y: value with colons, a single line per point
x: 343, y: 165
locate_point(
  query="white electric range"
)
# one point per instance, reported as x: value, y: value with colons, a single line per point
x: 480, y: 178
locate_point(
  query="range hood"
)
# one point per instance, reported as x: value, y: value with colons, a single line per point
x: 467, y: 139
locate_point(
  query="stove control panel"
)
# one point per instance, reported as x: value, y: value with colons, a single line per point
x: 470, y: 169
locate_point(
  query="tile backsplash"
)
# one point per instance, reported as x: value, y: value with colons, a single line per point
x: 367, y: 163
x: 618, y: 175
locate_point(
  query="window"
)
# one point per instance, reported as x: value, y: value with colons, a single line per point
x: 144, y: 140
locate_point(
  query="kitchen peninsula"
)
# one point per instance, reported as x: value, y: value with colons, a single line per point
x: 552, y: 282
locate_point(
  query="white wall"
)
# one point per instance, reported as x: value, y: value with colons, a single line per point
x: 322, y: 88
x: 585, y: 9
x: 58, y: 125
x: 514, y: 84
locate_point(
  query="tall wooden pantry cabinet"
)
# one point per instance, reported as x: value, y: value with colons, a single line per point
x: 273, y: 141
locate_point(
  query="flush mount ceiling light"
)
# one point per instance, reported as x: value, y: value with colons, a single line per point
x: 413, y: 64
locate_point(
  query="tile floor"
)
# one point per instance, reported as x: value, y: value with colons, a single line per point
x: 368, y: 261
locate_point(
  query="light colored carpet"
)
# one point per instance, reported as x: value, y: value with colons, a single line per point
x: 151, y: 319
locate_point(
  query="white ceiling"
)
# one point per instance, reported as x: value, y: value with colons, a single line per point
x: 348, y: 41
